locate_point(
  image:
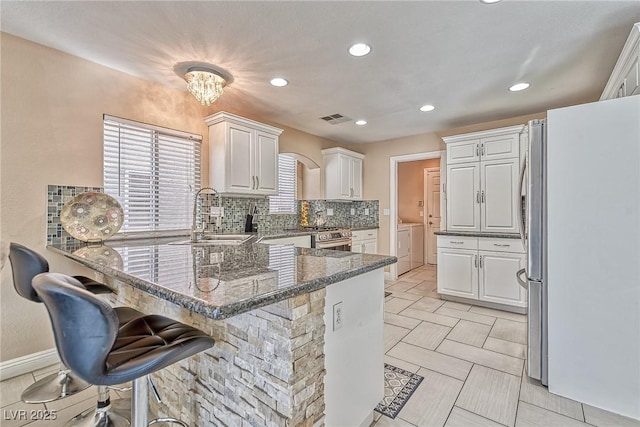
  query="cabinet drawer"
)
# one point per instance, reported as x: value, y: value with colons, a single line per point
x: 501, y: 245
x: 364, y: 234
x: 457, y: 242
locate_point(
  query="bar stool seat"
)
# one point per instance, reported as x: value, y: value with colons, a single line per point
x: 92, y: 343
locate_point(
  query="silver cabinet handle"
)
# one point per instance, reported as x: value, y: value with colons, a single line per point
x: 257, y: 182
x: 482, y: 197
x: 253, y: 182
x: 477, y: 196
x: 477, y: 150
x: 475, y: 260
x: 363, y: 248
x: 455, y: 242
x: 519, y: 275
x: 482, y: 149
x: 500, y: 245
x: 480, y: 261
x: 522, y: 205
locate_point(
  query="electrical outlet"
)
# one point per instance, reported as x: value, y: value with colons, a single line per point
x: 385, y: 212
x: 338, y: 316
x: 353, y: 211
x: 329, y: 212
x: 366, y: 211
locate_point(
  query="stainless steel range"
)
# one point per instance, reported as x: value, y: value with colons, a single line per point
x: 338, y: 239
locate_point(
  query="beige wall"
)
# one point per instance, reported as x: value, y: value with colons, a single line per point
x: 51, y: 133
x: 411, y: 188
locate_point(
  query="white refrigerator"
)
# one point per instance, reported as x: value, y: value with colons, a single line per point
x: 584, y: 321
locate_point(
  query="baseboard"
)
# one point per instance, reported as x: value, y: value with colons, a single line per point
x: 30, y: 362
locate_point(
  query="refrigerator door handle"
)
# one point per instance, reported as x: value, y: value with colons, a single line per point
x: 519, y: 274
x: 521, y: 205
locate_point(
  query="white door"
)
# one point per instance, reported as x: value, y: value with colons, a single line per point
x: 463, y: 151
x: 241, y: 160
x: 458, y: 272
x: 344, y: 180
x: 432, y: 218
x: 463, y: 197
x: 498, y: 278
x: 499, y: 196
x: 356, y: 178
x: 500, y: 147
x: 266, y: 169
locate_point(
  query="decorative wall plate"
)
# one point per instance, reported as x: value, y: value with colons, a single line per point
x: 92, y: 217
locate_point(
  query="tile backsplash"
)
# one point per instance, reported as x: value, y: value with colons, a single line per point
x: 235, y: 213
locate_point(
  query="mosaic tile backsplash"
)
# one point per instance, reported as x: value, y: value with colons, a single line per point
x: 235, y: 213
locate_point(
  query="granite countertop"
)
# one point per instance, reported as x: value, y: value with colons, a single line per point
x: 220, y: 281
x: 478, y: 234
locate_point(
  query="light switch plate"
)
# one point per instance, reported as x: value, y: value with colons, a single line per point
x: 385, y: 212
x: 421, y: 213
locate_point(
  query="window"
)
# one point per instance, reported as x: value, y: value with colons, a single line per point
x: 154, y: 173
x: 285, y: 201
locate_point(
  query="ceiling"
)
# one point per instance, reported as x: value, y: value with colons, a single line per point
x: 460, y: 56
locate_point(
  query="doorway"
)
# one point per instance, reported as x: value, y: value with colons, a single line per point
x: 432, y: 216
x: 394, y: 161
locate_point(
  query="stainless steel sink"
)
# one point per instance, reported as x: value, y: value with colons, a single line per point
x: 218, y: 239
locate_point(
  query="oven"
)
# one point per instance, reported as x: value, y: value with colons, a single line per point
x: 333, y: 239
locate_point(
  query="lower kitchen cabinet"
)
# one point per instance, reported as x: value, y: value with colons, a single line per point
x: 364, y: 241
x: 467, y: 270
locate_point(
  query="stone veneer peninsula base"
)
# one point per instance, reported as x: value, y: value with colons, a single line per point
x: 268, y: 366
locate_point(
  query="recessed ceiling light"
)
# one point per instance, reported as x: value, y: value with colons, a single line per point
x: 279, y: 82
x: 518, y: 87
x: 427, y: 108
x: 361, y: 122
x: 489, y: 1
x: 359, y: 49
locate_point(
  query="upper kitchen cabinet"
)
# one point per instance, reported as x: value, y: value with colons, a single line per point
x: 482, y: 180
x: 243, y: 155
x: 625, y: 78
x: 342, y: 174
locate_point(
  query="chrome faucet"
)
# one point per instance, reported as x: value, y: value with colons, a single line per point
x: 195, y: 232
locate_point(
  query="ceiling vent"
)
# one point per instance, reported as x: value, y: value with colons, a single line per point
x: 335, y: 119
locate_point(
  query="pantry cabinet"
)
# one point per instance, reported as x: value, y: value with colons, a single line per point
x: 342, y: 174
x: 482, y: 180
x: 482, y: 269
x: 625, y: 78
x: 243, y: 155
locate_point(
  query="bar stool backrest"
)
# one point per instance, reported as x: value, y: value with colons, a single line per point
x: 25, y: 265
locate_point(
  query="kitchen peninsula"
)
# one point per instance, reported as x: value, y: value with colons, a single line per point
x: 298, y: 331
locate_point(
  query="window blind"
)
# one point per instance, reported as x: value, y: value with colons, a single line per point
x: 285, y: 201
x: 154, y: 172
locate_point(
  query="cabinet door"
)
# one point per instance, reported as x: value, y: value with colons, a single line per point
x: 241, y: 159
x: 498, y: 278
x: 463, y: 197
x: 417, y: 246
x: 370, y: 247
x: 266, y: 165
x: 500, y: 147
x: 463, y: 151
x: 499, y: 195
x: 344, y: 176
x: 356, y: 178
x: 458, y: 272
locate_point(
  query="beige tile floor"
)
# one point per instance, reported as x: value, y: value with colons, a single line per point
x: 471, y: 358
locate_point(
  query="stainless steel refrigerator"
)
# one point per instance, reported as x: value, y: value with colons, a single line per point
x: 533, y: 232
x: 581, y: 227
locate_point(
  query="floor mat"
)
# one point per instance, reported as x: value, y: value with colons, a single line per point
x: 399, y: 385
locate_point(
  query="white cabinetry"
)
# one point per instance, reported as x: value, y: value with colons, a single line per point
x: 342, y: 174
x: 482, y: 269
x: 243, y: 155
x: 482, y: 180
x: 625, y: 78
x: 364, y: 241
x: 417, y: 245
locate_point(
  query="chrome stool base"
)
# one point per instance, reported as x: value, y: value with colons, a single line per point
x: 168, y: 421
x: 53, y: 387
x: 106, y: 413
